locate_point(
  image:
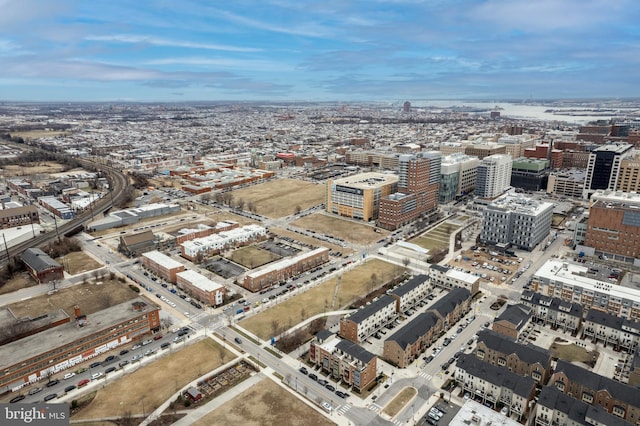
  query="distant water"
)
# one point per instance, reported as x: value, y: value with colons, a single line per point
x: 534, y: 112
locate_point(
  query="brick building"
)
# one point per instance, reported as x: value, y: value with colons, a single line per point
x: 162, y: 265
x: 513, y: 320
x: 42, y: 267
x: 359, y: 325
x: 621, y: 333
x: 553, y: 311
x: 19, y: 216
x: 200, y: 287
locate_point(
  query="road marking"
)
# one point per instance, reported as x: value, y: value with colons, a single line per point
x: 344, y: 408
x: 375, y: 407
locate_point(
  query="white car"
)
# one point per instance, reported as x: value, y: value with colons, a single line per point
x: 327, y: 406
x: 95, y: 376
x: 68, y: 376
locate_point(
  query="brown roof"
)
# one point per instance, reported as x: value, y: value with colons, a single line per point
x: 138, y: 238
x: 17, y: 211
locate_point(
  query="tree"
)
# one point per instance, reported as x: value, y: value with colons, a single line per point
x: 406, y: 262
x: 373, y: 281
x: 240, y: 203
x: 298, y: 209
x: 250, y: 206
x: 166, y: 322
x: 275, y: 327
x: 303, y: 313
x: 222, y: 352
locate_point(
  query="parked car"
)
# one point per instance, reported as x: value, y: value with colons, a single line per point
x: 238, y: 340
x: 313, y: 376
x: 83, y: 382
x: 124, y: 352
x: 303, y: 370
x: 68, y: 376
x: 17, y: 399
x: 330, y: 387
x: 95, y: 365
x: 109, y: 370
x: 50, y: 396
x: 53, y: 383
x: 34, y: 390
x: 69, y: 388
x: 341, y: 394
x: 97, y: 375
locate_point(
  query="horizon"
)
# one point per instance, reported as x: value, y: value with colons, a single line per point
x: 330, y: 51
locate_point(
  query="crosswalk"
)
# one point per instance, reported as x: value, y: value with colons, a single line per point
x: 398, y: 422
x: 375, y: 407
x: 344, y: 408
x: 425, y: 375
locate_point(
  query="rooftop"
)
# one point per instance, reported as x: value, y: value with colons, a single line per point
x: 199, y: 280
x: 162, y: 259
x: 367, y: 180
x: 519, y: 204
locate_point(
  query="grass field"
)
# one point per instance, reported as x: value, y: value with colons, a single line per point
x: 437, y: 238
x: 77, y: 262
x: 253, y: 257
x: 153, y: 384
x: 399, y: 401
x: 353, y: 285
x: 21, y: 280
x: 89, y: 297
x: 281, y: 197
x: 573, y: 352
x: 357, y: 233
x: 265, y: 403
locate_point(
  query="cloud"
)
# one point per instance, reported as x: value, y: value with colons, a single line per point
x: 156, y: 41
x: 244, y: 64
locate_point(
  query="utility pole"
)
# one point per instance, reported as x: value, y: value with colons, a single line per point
x: 6, y: 249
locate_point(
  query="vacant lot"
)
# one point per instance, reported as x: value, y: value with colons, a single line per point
x: 77, y: 262
x: 253, y: 257
x: 265, y: 403
x: 32, y: 168
x: 309, y: 240
x: 20, y: 280
x: 437, y: 238
x: 325, y: 297
x: 149, y: 386
x: 281, y: 197
x: 35, y: 134
x: 348, y: 230
x: 398, y: 403
x: 89, y: 297
x: 573, y: 352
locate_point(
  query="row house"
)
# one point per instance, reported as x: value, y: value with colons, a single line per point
x: 343, y: 360
x: 634, y: 369
x: 495, y: 385
x: 553, y: 311
x: 201, y: 287
x: 555, y: 408
x: 364, y: 322
x: 621, y: 333
x: 283, y: 270
x: 216, y: 243
x: 513, y: 320
x: 616, y: 398
x: 447, y: 277
x: 406, y: 344
x: 525, y: 360
x: 162, y: 265
x: 410, y: 293
x: 202, y: 230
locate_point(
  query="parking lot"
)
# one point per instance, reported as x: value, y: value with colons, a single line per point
x: 281, y: 249
x: 224, y: 268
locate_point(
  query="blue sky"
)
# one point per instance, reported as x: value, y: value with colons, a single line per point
x: 98, y: 50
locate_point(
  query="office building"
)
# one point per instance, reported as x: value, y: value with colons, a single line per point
x: 566, y: 183
x: 629, y: 176
x: 457, y: 176
x: 359, y: 196
x: 516, y: 144
x: 577, y: 283
x: 516, y: 221
x: 494, y: 176
x: 487, y: 149
x: 418, y: 186
x: 530, y: 174
x: 603, y: 169
x: 613, y: 227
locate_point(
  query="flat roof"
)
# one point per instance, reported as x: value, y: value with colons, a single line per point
x: 199, y: 280
x: 38, y: 343
x: 281, y: 264
x: 568, y: 273
x: 162, y: 259
x: 462, y: 276
x: 367, y: 180
x: 627, y: 198
x: 519, y: 204
x: 485, y: 415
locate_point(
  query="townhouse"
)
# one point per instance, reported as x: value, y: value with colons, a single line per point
x: 621, y: 333
x: 525, y: 360
x: 616, y: 398
x: 448, y: 277
x: 513, y: 320
x: 411, y: 292
x: 495, y: 385
x: 361, y: 324
x: 553, y: 311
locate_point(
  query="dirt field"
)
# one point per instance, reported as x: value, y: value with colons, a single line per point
x: 572, y: 353
x: 265, y: 403
x: 437, y: 238
x: 351, y: 231
x: 153, y: 384
x: 90, y: 297
x: 36, y: 134
x: 77, y: 262
x: 398, y: 403
x: 309, y: 240
x: 21, y: 280
x: 253, y: 257
x: 32, y: 168
x: 353, y: 284
x: 274, y: 199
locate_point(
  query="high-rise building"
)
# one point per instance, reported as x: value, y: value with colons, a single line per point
x: 518, y: 221
x: 603, y: 168
x: 359, y: 196
x: 494, y: 176
x: 530, y: 174
x: 406, y: 107
x: 629, y: 176
x: 457, y: 176
x: 418, y: 185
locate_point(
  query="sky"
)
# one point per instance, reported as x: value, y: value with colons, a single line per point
x: 330, y: 50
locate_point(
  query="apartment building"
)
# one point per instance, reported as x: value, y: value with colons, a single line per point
x: 613, y: 228
x: 457, y: 176
x: 525, y: 360
x: 359, y: 325
x: 282, y: 270
x: 37, y: 356
x: 203, y: 231
x: 629, y: 176
x: 343, y: 360
x: 567, y: 183
x: 41, y: 266
x: 448, y: 277
x: 372, y: 159
x: 621, y: 333
x: 487, y: 149
x: 494, y: 176
x: 553, y: 311
x: 515, y: 145
x: 574, y: 283
x: 530, y: 174
x: 18, y: 216
x: 634, y: 369
x: 162, y: 265
x: 453, y: 305
x: 603, y: 168
x: 616, y: 398
x: 516, y: 221
x: 405, y: 345
x: 555, y: 408
x: 225, y: 240
x: 200, y: 287
x: 411, y: 292
x: 418, y: 185
x: 359, y: 196
x: 513, y: 320
x: 495, y: 385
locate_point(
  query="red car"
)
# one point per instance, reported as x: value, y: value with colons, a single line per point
x: 157, y: 337
x: 83, y: 382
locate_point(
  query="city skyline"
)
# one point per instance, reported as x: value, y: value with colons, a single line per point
x: 319, y: 51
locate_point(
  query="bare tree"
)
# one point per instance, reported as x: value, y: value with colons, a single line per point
x: 303, y: 313
x: 298, y: 209
x: 406, y: 262
x: 166, y: 322
x: 240, y: 203
x: 373, y: 281
x: 222, y: 352
x: 250, y: 206
x: 275, y: 326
